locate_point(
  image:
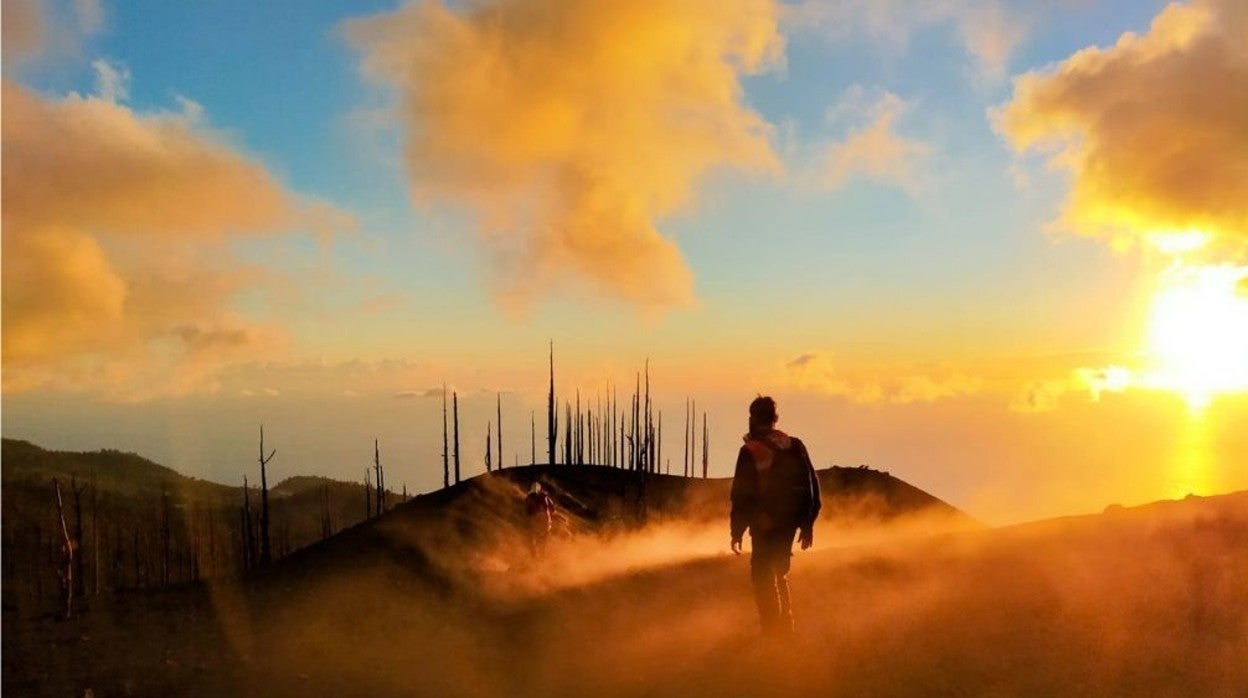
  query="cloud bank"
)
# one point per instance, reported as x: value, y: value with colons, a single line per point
x: 1153, y: 130
x: 117, y: 271
x: 569, y: 129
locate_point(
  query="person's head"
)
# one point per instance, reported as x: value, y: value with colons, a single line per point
x: 763, y: 414
x: 535, y: 488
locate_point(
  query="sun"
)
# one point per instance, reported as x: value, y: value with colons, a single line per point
x: 1198, y: 333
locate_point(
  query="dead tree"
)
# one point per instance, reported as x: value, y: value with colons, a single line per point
x: 455, y: 407
x: 95, y: 533
x: 567, y: 434
x: 499, y: 407
x: 368, y: 493
x: 446, y: 467
x: 67, y: 550
x: 705, y: 440
x: 80, y: 572
x: 685, y: 472
x: 266, y: 551
x: 489, y: 443
x: 658, y: 445
x: 649, y: 425
x: 551, y: 427
x: 381, y: 479
x: 693, y: 438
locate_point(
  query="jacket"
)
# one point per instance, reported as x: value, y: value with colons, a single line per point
x: 774, y: 487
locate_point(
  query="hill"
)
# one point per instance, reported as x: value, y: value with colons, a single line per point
x: 438, y: 597
x: 142, y: 525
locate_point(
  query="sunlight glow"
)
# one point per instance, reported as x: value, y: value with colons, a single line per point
x: 1198, y: 337
x: 1178, y: 242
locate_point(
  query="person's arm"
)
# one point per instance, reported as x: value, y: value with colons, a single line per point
x: 807, y: 537
x: 744, y: 497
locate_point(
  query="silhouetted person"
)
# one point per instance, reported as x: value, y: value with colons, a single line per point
x: 540, y: 509
x: 775, y: 494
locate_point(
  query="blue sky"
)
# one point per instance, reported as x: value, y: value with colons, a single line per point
x: 925, y: 269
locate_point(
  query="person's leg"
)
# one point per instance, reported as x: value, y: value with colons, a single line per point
x: 783, y: 556
x: 762, y: 574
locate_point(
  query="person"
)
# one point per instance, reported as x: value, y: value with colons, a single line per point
x: 540, y: 509
x: 775, y: 495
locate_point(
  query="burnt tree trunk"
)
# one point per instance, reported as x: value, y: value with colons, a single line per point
x: 67, y: 548
x: 266, y: 550
x: 455, y: 405
x: 550, y: 409
x: 446, y: 465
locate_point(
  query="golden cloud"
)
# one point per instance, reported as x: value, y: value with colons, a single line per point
x: 1154, y: 130
x: 875, y: 150
x: 116, y: 272
x: 569, y: 128
x: 900, y: 384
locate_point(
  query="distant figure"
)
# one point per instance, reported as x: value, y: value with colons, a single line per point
x: 775, y: 494
x: 540, y: 509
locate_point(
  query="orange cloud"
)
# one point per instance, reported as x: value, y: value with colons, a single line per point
x: 116, y: 273
x: 875, y: 150
x: 877, y: 384
x: 1045, y: 395
x: 570, y: 128
x: 1152, y: 130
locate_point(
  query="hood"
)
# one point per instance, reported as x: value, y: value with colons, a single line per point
x: 776, y: 438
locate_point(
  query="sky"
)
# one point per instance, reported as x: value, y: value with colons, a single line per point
x: 995, y: 248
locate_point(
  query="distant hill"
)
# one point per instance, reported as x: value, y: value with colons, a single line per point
x: 144, y: 525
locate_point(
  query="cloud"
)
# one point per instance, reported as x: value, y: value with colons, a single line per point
x: 434, y: 392
x: 874, y: 150
x: 985, y: 30
x: 1152, y: 130
x: 569, y: 129
x: 112, y: 82
x: 117, y: 277
x: 43, y: 29
x: 878, y: 384
x: 1045, y: 395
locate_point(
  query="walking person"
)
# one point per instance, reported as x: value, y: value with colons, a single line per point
x: 539, y: 508
x: 775, y: 496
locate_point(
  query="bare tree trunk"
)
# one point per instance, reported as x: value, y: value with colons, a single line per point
x: 381, y: 479
x: 499, y: 408
x: 693, y: 438
x: 705, y: 441
x: 80, y: 569
x: 368, y: 494
x: 489, y: 444
x: 95, y: 534
x: 550, y: 409
x: 67, y: 577
x: 266, y: 551
x: 446, y: 467
x: 455, y: 405
x: 685, y: 472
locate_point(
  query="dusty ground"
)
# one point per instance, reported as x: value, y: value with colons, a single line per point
x: 1150, y: 601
